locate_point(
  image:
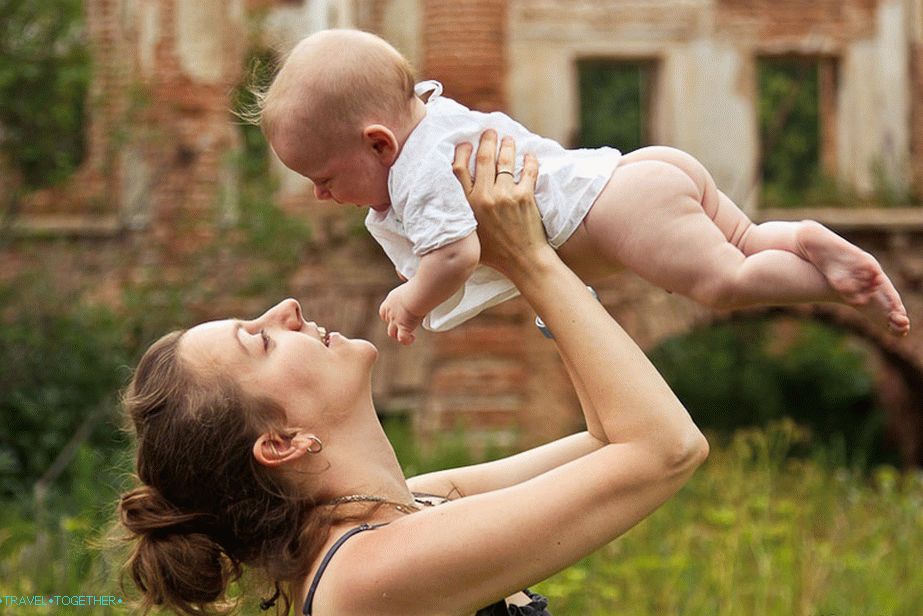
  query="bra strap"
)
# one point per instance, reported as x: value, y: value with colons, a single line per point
x: 323, y: 564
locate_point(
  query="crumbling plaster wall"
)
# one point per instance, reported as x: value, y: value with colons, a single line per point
x: 706, y: 83
x: 174, y: 137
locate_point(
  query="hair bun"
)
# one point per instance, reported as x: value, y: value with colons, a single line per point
x: 174, y: 561
x: 191, y: 567
x: 145, y: 511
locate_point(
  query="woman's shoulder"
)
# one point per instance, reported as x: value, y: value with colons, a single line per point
x: 334, y: 566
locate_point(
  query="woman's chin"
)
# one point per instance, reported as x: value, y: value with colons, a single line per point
x: 367, y: 348
x: 359, y: 344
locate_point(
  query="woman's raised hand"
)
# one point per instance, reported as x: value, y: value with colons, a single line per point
x: 509, y: 226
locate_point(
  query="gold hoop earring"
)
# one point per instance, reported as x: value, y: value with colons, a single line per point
x: 316, y: 445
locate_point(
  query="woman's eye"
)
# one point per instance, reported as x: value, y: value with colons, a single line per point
x: 265, y: 338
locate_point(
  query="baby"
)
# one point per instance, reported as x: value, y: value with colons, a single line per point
x: 344, y: 112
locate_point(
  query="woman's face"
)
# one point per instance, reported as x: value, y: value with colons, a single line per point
x: 281, y: 356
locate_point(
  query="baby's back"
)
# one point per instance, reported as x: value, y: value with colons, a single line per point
x: 569, y: 180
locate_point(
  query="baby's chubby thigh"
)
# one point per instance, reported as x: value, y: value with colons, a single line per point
x: 587, y: 251
x: 647, y: 219
x: 581, y: 255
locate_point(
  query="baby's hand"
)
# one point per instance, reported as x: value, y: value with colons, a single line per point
x: 401, y: 322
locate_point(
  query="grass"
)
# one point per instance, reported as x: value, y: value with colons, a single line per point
x: 756, y: 532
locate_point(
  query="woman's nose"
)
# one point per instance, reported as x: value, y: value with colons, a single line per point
x: 286, y: 313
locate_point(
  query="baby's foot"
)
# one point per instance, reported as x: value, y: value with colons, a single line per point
x: 898, y: 321
x: 855, y: 275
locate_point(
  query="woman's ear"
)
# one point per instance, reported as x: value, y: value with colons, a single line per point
x: 381, y: 142
x: 274, y: 450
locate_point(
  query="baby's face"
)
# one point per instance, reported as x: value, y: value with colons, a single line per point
x: 345, y: 175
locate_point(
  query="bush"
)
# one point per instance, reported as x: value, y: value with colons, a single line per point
x: 62, y: 364
x: 750, y: 372
x: 45, y: 74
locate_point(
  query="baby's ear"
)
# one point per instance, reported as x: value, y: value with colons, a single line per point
x: 382, y: 142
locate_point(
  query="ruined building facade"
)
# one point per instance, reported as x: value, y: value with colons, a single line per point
x: 161, y: 162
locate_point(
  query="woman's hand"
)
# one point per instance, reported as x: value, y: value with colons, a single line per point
x: 509, y: 226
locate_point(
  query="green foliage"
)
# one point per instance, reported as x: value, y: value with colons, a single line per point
x: 759, y: 532
x: 756, y: 531
x: 613, y: 104
x: 44, y: 77
x: 61, y: 364
x: 748, y: 373
x: 275, y: 239
x: 255, y: 160
x: 272, y: 241
x: 447, y: 450
x: 789, y: 128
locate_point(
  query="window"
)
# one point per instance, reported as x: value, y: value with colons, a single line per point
x: 796, y: 119
x: 615, y: 101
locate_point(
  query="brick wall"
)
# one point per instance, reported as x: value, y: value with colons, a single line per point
x: 464, y: 48
x: 186, y: 131
x: 777, y: 21
x: 495, y: 374
x: 916, y: 144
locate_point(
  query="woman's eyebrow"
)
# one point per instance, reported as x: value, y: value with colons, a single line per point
x: 237, y: 327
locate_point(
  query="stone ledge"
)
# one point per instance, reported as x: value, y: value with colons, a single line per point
x: 848, y: 219
x: 64, y: 226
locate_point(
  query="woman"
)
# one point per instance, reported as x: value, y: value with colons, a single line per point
x: 258, y: 444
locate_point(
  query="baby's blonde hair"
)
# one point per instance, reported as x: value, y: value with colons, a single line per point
x: 335, y: 82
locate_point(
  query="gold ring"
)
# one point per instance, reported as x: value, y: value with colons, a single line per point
x: 502, y: 171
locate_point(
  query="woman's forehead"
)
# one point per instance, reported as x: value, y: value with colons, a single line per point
x: 207, y: 342
x: 213, y: 326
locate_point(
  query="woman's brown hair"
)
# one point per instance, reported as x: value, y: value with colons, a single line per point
x: 204, y: 507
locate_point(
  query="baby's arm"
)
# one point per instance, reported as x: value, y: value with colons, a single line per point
x: 441, y: 272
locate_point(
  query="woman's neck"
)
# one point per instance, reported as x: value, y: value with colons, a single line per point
x: 358, y: 459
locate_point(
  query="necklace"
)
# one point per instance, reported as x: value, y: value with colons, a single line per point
x: 370, y: 498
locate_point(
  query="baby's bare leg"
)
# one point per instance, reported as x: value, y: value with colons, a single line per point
x: 663, y: 217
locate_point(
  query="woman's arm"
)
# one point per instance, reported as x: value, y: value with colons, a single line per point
x: 610, y: 370
x: 458, y: 557
x: 475, y: 479
x: 502, y: 473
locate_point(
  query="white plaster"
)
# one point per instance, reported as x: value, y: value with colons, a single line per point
x: 617, y: 20
x: 319, y: 12
x: 915, y: 21
x: 127, y: 13
x: 284, y: 26
x: 342, y: 14
x: 148, y: 35
x: 229, y: 197
x: 542, y: 89
x: 135, y: 187
x: 874, y: 105
x: 698, y: 105
x: 402, y: 24
x: 204, y: 28
x: 895, y: 104
x: 857, y: 126
x: 710, y: 117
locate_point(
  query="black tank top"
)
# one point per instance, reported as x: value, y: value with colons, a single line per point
x: 536, y: 607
